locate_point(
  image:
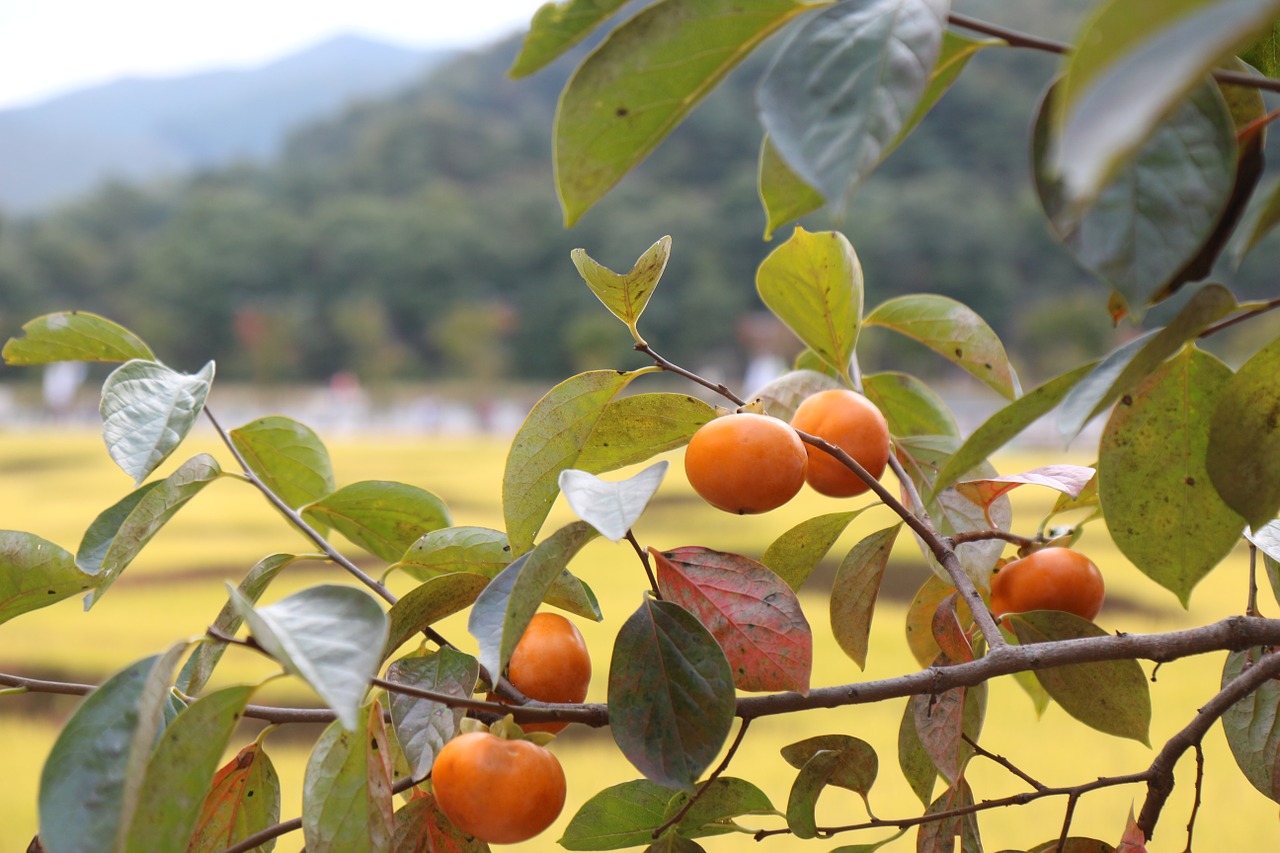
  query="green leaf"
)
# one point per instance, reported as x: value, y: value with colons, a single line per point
x: 719, y: 801
x: 671, y: 696
x: 783, y: 193
x: 35, y: 573
x: 89, y: 788
x: 840, y: 760
x: 74, y: 336
x: 1263, y: 221
x: 147, y: 410
x: 1157, y: 211
x: 288, y: 457
x: 1244, y: 442
x: 423, y: 726
x: 795, y: 554
x: 813, y: 283
x: 243, y: 799
x: 1161, y: 508
x: 611, y: 507
x: 1110, y: 696
x: 383, y: 517
x: 346, y: 795
x: 456, y: 549
x: 855, y: 589
x: 549, y: 441
x: 120, y: 533
x: 625, y: 295
x: 556, y: 27
x: 330, y: 636
x: 845, y: 86
x: 642, y: 80
x: 913, y: 759
x: 909, y: 406
x: 1126, y: 365
x: 200, y: 665
x: 952, y: 330
x: 1264, y: 53
x: 503, y: 610
x: 954, y: 55
x: 181, y: 770
x: 637, y: 427
x: 1009, y: 422
x: 920, y: 615
x: 623, y: 815
x: 1133, y: 62
x: 429, y: 602
x: 1252, y: 727
x: 752, y: 613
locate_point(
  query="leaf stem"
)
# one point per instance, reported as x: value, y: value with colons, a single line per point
x: 648, y: 567
x: 702, y: 789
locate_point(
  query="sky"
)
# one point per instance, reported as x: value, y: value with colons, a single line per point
x: 49, y: 47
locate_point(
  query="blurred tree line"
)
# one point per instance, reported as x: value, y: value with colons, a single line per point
x: 418, y: 237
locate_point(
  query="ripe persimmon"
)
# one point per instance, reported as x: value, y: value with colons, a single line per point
x: 550, y: 663
x: 499, y: 790
x: 746, y: 463
x: 1049, y: 579
x: 851, y: 422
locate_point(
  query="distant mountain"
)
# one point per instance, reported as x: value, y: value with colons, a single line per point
x: 138, y: 129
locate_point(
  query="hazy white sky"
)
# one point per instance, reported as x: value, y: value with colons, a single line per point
x: 51, y: 46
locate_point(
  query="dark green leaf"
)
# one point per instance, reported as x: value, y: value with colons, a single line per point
x: 1244, y: 438
x: 913, y: 759
x: 855, y: 589
x: 423, y: 726
x: 954, y: 56
x: 1110, y: 696
x: 549, y: 441
x: 556, y: 27
x: 795, y: 554
x: 330, y: 636
x: 74, y: 336
x: 503, y: 610
x: 89, y: 788
x: 1169, y: 47
x: 120, y: 533
x: 642, y: 81
x: 1252, y: 727
x: 1154, y: 215
x: 623, y: 815
x: 181, y: 770
x: 952, y: 330
x: 813, y: 283
x: 671, y: 696
x: 383, y: 517
x: 847, y: 84
x: 1161, y: 508
x: 147, y: 410
x: 346, y: 794
x: 35, y: 573
x: 196, y: 671
x: 856, y: 769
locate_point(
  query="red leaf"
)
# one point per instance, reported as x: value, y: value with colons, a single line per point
x: 948, y: 633
x: 1133, y: 840
x: 422, y: 828
x: 754, y: 616
x: 1068, y: 479
x: 243, y: 799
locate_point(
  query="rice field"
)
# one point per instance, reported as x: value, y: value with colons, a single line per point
x: 54, y: 483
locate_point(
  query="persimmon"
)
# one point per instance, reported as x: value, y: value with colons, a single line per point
x: 498, y: 790
x: 551, y: 664
x: 1049, y: 579
x: 746, y: 463
x: 851, y: 422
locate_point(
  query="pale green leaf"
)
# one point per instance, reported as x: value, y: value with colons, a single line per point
x: 608, y: 506
x: 74, y: 336
x: 796, y: 553
x: 1244, y: 442
x: 626, y: 294
x: 35, y: 573
x: 783, y: 193
x: 556, y: 27
x: 347, y: 804
x: 635, y: 428
x: 147, y: 410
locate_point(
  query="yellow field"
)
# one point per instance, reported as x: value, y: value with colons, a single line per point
x: 53, y: 484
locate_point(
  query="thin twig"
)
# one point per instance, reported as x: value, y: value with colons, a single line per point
x: 985, y: 535
x: 718, y: 387
x: 1196, y: 801
x: 1269, y: 305
x: 1002, y: 761
x: 702, y: 789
